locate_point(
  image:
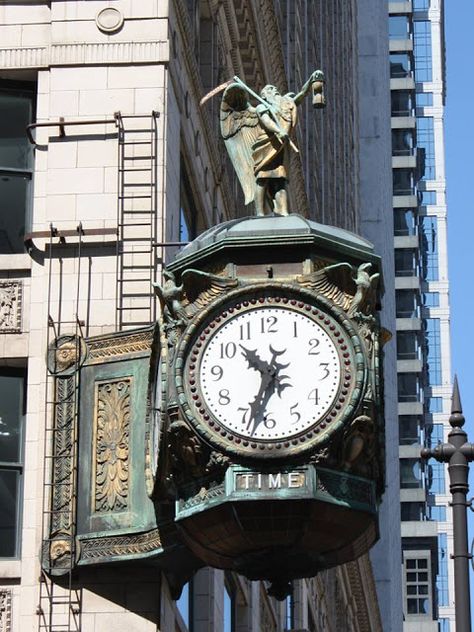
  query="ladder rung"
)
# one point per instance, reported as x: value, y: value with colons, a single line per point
x: 134, y: 309
x: 141, y: 280
x: 132, y: 225
x: 147, y: 183
x: 134, y: 197
x: 137, y: 267
x: 136, y: 142
x: 134, y: 212
x: 137, y: 169
x: 139, y: 157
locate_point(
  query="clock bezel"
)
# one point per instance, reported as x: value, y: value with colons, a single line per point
x: 335, y: 323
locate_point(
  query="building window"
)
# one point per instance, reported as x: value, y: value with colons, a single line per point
x: 410, y: 474
x: 429, y: 248
x: 290, y: 612
x: 406, y: 304
x: 424, y: 99
x: 12, y: 411
x: 398, y: 27
x: 442, y: 584
x: 402, y: 142
x: 444, y: 625
x: 437, y: 513
x: 431, y: 299
x: 412, y: 512
x: 404, y: 222
x: 400, y: 65
x: 403, y: 182
x: 417, y: 582
x: 427, y: 198
x: 436, y: 478
x: 422, y: 50
x: 433, y: 350
x: 434, y: 404
x: 409, y: 429
x: 426, y: 146
x: 229, y: 603
x: 405, y: 263
x: 16, y: 164
x: 421, y: 5
x: 401, y: 103
x: 434, y: 434
x: 407, y: 345
x: 185, y: 605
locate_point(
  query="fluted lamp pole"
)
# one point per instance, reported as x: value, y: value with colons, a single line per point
x: 458, y: 453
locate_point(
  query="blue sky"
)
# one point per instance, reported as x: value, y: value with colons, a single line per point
x: 459, y: 136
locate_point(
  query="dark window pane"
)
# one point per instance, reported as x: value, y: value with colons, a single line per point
x: 11, y: 416
x: 9, y: 486
x: 14, y: 193
x: 15, y: 114
x: 412, y: 606
x: 401, y: 103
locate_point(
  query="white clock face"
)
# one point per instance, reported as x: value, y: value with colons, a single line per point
x: 269, y: 373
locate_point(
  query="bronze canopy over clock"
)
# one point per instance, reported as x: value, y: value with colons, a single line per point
x: 270, y: 372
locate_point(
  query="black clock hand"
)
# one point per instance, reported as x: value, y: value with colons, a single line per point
x: 271, y: 381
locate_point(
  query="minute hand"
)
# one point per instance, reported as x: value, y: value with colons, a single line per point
x: 271, y: 381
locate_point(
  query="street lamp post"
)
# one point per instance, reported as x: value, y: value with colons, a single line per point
x: 458, y: 453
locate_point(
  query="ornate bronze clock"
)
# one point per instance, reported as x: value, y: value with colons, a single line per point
x: 270, y: 372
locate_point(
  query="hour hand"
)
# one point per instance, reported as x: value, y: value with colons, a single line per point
x: 254, y: 361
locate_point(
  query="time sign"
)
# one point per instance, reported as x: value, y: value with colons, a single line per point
x: 268, y: 373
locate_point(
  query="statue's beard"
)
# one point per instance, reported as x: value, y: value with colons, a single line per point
x: 274, y: 99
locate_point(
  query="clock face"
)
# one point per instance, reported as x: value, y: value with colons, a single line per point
x: 269, y: 373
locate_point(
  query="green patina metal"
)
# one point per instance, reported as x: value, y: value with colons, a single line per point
x: 316, y: 484
x: 158, y: 483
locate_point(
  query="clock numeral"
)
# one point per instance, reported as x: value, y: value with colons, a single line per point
x: 224, y: 397
x: 269, y: 422
x: 217, y: 371
x: 245, y: 331
x: 324, y: 366
x: 228, y: 350
x: 313, y: 345
x: 295, y: 329
x: 245, y: 411
x: 314, y: 396
x: 268, y: 325
x: 295, y: 413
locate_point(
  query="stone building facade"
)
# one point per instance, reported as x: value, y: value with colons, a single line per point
x: 100, y: 220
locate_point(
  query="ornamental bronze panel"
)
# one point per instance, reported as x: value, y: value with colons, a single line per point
x: 111, y: 445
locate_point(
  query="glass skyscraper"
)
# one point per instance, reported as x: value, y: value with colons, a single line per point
x: 417, y: 69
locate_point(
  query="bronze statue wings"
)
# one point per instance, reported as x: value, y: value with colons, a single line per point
x: 240, y: 127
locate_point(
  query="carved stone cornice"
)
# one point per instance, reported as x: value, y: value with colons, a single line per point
x: 362, y: 589
x: 99, y: 549
x: 108, y: 347
x: 85, y: 53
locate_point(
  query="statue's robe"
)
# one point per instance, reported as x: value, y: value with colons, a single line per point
x: 270, y: 155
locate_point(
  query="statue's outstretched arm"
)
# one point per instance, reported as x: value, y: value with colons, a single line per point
x: 317, y: 75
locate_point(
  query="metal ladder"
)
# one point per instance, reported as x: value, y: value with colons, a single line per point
x: 137, y: 219
x: 59, y: 607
